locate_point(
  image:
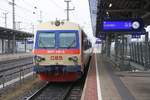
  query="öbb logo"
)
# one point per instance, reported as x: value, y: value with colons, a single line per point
x: 56, y: 58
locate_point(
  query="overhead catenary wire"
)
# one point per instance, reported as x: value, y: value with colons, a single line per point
x: 17, y: 9
x: 28, y: 9
x: 17, y: 15
x: 26, y: 24
x: 27, y: 21
x: 34, y: 7
x: 57, y: 5
x: 52, y: 2
x: 4, y: 10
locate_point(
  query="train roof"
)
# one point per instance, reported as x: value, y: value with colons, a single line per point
x: 58, y: 25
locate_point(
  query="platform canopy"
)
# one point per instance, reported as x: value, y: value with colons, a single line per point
x: 6, y: 33
x: 120, y: 9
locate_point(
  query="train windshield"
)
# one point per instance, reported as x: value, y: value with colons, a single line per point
x: 67, y: 40
x: 46, y: 40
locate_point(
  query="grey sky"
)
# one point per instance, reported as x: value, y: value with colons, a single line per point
x: 51, y: 9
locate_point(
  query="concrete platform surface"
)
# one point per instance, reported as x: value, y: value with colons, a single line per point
x: 130, y: 85
x: 104, y: 82
x: 108, y: 88
x: 138, y: 83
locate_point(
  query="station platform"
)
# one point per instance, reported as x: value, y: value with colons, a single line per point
x: 7, y: 57
x: 105, y: 82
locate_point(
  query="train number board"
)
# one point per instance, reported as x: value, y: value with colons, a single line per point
x: 122, y: 25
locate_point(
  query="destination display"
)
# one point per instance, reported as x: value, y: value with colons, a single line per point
x: 115, y: 25
x: 122, y: 25
x: 136, y: 36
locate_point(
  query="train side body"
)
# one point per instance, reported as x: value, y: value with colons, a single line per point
x: 59, y: 52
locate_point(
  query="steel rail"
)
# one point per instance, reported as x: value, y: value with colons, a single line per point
x: 9, y: 61
x: 61, y: 95
x: 42, y: 89
x: 18, y: 66
x: 38, y: 92
x: 78, y: 85
x: 18, y: 71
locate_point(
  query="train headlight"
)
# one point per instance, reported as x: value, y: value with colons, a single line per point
x: 38, y: 58
x: 74, y: 59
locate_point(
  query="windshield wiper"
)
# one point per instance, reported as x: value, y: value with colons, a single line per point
x: 43, y: 46
x: 71, y: 44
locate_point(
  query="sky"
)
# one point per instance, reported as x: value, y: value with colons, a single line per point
x: 50, y: 10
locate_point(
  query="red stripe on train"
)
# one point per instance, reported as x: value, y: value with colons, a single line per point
x: 63, y: 51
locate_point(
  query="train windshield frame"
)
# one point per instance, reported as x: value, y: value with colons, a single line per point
x: 57, y: 39
x: 46, y: 40
x: 67, y: 40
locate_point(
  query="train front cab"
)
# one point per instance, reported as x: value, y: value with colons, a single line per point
x: 59, y: 64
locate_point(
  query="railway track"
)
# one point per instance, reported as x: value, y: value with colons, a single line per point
x: 12, y: 68
x: 13, y: 63
x: 52, y: 91
x: 76, y: 91
x: 60, y: 91
x: 14, y: 60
